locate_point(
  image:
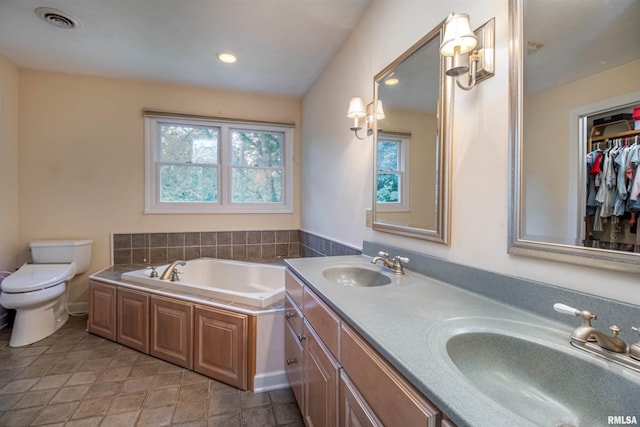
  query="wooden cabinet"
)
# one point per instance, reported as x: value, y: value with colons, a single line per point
x: 343, y: 381
x: 394, y: 399
x: 171, y: 330
x: 354, y: 410
x: 220, y: 351
x: 320, y: 382
x: 102, y: 310
x: 133, y: 319
x: 293, y: 349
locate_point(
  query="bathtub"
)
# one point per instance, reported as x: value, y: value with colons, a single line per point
x: 249, y: 283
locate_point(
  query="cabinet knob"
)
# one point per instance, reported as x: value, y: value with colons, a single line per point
x: 301, y: 337
x: 291, y: 361
x: 290, y: 314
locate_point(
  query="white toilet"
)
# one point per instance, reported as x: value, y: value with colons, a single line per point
x: 37, y: 291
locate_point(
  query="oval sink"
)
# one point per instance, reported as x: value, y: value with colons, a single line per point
x: 355, y: 276
x: 545, y: 383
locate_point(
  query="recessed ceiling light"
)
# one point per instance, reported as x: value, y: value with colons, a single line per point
x: 57, y: 18
x: 227, y: 58
x: 392, y: 81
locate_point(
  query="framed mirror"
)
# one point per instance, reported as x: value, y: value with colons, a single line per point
x: 412, y: 143
x: 574, y: 88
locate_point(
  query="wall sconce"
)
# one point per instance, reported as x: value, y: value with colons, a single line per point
x: 357, y: 112
x: 472, y: 51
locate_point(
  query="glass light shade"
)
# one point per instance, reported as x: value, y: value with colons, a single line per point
x: 379, y: 110
x: 458, y: 35
x: 356, y: 109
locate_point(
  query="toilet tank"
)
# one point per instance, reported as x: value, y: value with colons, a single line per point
x: 62, y: 251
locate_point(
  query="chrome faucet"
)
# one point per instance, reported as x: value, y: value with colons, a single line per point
x: 591, y: 340
x: 395, y: 264
x: 171, y: 272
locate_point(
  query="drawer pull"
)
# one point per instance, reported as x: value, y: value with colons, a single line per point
x: 290, y: 314
x: 301, y: 337
x: 291, y: 361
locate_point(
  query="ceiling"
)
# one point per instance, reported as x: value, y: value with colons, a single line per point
x: 282, y: 45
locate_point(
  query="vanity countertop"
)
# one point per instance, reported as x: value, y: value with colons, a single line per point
x: 399, y: 319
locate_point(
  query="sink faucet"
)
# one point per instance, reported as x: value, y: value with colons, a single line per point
x: 171, y: 272
x: 395, y: 264
x: 587, y: 333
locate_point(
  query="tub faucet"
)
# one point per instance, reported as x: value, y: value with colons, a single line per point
x: 170, y: 273
x: 587, y: 333
x: 395, y: 264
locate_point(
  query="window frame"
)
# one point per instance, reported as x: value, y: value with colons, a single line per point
x: 224, y: 204
x: 404, y: 205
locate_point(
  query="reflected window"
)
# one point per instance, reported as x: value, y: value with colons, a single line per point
x: 392, y: 187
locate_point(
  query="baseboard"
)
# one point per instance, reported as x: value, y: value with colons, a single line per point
x: 78, y: 307
x: 270, y: 381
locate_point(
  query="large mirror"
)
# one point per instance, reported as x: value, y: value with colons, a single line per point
x: 412, y: 144
x: 574, y: 86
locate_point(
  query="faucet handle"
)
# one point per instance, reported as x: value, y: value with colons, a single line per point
x: 403, y: 259
x: 587, y: 316
x: 615, y: 330
x: 153, y: 272
x: 383, y: 254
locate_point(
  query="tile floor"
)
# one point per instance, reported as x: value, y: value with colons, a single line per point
x: 73, y: 378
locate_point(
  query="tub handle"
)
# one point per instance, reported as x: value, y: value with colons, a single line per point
x: 291, y: 361
x: 290, y: 314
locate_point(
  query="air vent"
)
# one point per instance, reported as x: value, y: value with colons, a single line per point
x: 57, y: 17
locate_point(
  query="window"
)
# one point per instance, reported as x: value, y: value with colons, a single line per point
x: 392, y: 186
x: 208, y: 166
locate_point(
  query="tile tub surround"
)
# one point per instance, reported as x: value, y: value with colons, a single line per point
x: 529, y: 295
x: 161, y: 248
x: 74, y: 378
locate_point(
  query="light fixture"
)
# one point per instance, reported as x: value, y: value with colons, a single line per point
x: 357, y: 111
x: 472, y: 52
x: 227, y: 57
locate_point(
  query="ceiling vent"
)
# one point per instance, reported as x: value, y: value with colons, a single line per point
x: 57, y: 17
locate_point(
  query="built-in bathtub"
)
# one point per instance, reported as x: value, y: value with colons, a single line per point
x: 259, y: 285
x: 255, y: 289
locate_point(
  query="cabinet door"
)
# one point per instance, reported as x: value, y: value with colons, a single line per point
x: 354, y: 411
x: 320, y: 382
x: 294, y: 359
x: 392, y: 398
x: 133, y: 319
x: 102, y: 310
x: 220, y: 345
x: 172, y: 331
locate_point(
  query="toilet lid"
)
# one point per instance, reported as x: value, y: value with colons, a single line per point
x: 31, y: 277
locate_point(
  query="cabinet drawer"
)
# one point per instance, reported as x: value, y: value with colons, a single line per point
x: 294, y: 287
x: 324, y: 321
x: 294, y: 357
x: 395, y: 401
x: 293, y: 315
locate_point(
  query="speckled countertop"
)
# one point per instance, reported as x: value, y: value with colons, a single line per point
x: 405, y: 321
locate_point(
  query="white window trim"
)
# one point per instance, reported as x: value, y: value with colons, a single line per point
x: 403, y: 175
x: 152, y: 203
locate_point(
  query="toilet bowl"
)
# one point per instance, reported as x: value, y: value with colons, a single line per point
x: 38, y: 291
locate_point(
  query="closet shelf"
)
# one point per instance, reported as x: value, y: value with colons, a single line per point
x: 597, y: 130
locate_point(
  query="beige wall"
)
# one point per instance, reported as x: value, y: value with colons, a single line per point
x: 81, y: 163
x: 8, y: 167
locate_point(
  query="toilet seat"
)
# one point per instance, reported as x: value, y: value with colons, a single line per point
x: 36, y: 277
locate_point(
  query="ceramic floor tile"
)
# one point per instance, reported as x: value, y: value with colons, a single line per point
x: 152, y: 417
x: 75, y: 379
